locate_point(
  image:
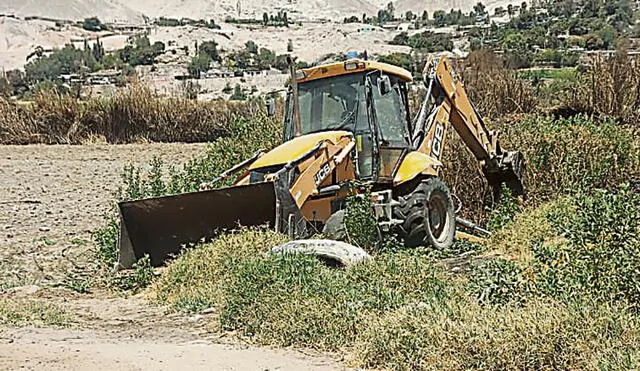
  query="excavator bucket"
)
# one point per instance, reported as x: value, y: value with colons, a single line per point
x: 162, y: 226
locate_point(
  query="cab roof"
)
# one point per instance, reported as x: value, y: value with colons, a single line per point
x: 350, y: 66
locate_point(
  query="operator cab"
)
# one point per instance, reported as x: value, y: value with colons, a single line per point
x: 366, y: 98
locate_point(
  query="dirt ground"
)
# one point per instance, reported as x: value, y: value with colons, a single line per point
x: 51, y: 198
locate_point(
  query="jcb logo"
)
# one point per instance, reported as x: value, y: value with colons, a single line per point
x: 436, y: 147
x: 322, y: 174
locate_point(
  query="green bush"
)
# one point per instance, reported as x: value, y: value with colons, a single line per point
x: 601, y: 255
x: 360, y: 223
x: 591, y: 250
x: 567, y: 156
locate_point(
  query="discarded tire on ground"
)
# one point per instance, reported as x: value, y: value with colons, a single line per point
x: 332, y: 252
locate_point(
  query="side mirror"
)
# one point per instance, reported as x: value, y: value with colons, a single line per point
x: 271, y: 107
x: 384, y: 85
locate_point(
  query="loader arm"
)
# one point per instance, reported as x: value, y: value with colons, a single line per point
x: 452, y: 106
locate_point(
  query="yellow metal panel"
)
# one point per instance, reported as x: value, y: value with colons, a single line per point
x: 295, y: 148
x: 338, y: 68
x: 469, y: 237
x: 415, y: 163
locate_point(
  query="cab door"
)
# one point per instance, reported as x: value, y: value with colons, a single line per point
x: 389, y: 110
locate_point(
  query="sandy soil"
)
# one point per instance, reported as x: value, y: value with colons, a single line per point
x: 51, y: 197
x: 51, y: 349
x: 128, y: 334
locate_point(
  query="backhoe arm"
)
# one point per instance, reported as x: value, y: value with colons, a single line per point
x: 452, y: 106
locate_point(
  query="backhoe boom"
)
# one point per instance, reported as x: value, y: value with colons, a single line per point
x: 452, y: 106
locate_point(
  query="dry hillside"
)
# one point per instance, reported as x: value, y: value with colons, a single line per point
x: 132, y: 11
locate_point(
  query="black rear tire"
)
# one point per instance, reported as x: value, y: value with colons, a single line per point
x: 428, y: 215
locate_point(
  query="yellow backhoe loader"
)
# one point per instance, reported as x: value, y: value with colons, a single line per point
x: 344, y: 122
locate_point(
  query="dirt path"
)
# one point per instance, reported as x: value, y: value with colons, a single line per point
x: 61, y: 349
x: 51, y: 198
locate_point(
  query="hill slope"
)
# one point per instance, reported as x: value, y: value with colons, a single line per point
x: 106, y: 10
x: 132, y: 10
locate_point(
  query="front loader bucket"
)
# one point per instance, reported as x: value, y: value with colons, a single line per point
x: 161, y: 226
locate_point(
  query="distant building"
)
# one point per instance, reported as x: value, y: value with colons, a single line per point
x: 215, y: 73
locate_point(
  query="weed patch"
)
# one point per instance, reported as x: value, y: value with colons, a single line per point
x: 23, y: 312
x: 294, y: 299
x: 541, y: 335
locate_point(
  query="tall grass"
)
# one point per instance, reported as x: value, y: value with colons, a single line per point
x: 610, y: 88
x: 564, y: 157
x: 495, y: 90
x: 133, y: 114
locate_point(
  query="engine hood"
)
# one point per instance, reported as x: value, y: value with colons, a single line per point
x: 296, y: 147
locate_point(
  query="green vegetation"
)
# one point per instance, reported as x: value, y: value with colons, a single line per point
x: 173, y: 22
x: 426, y: 41
x: 141, y: 52
x: 93, y: 24
x: 400, y: 311
x: 24, y: 312
x: 76, y: 64
x: 546, y: 33
x: 253, y: 57
x: 67, y: 60
x: 403, y: 60
x: 238, y: 94
x: 279, y: 20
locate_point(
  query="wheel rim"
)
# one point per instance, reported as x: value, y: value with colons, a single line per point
x: 438, y: 217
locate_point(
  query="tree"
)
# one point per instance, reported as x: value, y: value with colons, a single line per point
x: 479, y: 9
x: 199, y: 63
x: 251, y: 47
x: 238, y: 94
x: 400, y: 39
x: 439, y: 18
x: 510, y: 10
x: 390, y: 10
x: 398, y: 59
x: 93, y: 24
x: 364, y: 17
x: 210, y: 48
x: 430, y: 42
x: 475, y: 43
x: 289, y: 46
x: 281, y: 63
x: 266, y: 58
x: 425, y: 16
x: 593, y: 42
x: 383, y: 16
x: 409, y: 16
x: 98, y: 50
x: 265, y: 19
x: 158, y: 47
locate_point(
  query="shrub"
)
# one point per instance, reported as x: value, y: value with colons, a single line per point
x: 601, y: 255
x: 585, y: 247
x: 496, y: 91
x: 609, y: 88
